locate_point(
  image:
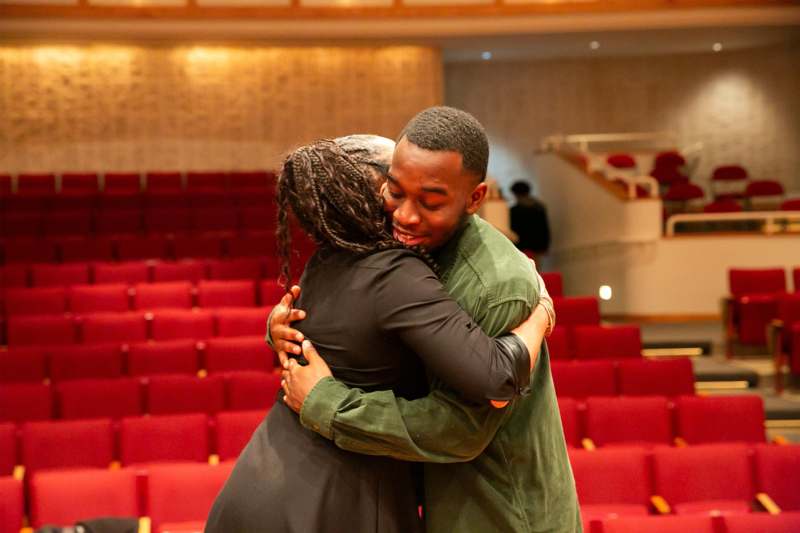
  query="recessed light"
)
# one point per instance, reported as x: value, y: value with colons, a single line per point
x: 594, y: 45
x: 486, y: 56
x: 605, y: 292
x: 717, y: 47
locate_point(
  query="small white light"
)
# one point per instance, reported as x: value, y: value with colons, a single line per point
x: 486, y: 56
x: 605, y: 292
x: 594, y: 45
x: 717, y: 47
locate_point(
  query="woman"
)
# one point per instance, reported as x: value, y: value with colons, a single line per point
x: 379, y: 314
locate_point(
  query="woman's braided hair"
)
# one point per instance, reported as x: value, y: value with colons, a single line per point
x: 333, y: 198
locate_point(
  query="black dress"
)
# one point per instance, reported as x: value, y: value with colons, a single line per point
x: 368, y: 317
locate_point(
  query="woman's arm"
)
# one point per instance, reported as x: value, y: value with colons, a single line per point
x: 411, y: 304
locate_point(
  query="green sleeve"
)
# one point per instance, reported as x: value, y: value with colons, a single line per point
x: 438, y: 428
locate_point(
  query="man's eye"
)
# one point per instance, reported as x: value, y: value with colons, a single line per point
x: 432, y: 207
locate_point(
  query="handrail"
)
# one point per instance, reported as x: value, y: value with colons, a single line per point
x: 648, y: 182
x: 584, y: 139
x: 768, y: 217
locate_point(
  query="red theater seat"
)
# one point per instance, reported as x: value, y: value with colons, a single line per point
x: 171, y: 295
x: 197, y: 246
x: 234, y: 429
x: 252, y: 245
x: 83, y: 183
x: 165, y: 357
x: 251, y: 181
x: 704, y: 478
x: 21, y: 402
x: 15, y: 276
x: 271, y: 293
x: 67, y: 223
x: 762, y: 523
x: 226, y: 294
x: 152, y: 247
x: 185, y: 394
x: 38, y: 301
x: 186, y: 270
x: 178, y: 324
x: 755, y: 295
x: 29, y: 251
x: 570, y: 421
x: 36, y: 184
x: 98, y: 298
x: 40, y: 330
x: 60, y: 275
x: 129, y: 272
x: 669, y: 159
x: 67, y: 444
x: 11, y: 505
x: 259, y: 219
x: 611, y: 482
x: 554, y: 283
x: 8, y: 449
x: 623, y: 161
x: 659, y: 524
x: 119, y: 222
x: 577, y: 311
x: 238, y: 353
x: 643, y: 420
x: 85, y: 362
x: 707, y: 419
x: 214, y: 220
x: 17, y: 225
x: 252, y: 390
x: 150, y: 439
x: 114, y: 328
x: 558, y: 343
x: 607, y: 342
x: 729, y: 173
x: 234, y: 269
x: 723, y: 205
x: 159, y: 221
x: 777, y: 474
x: 124, y: 183
x: 99, y: 398
x: 586, y: 378
x: 5, y: 185
x: 83, y: 249
x: 206, y: 182
x: 242, y: 322
x: 23, y: 365
x: 164, y: 182
x: 64, y: 498
x: 183, y: 493
x: 763, y: 188
x: 683, y: 192
x: 793, y: 204
x: 665, y: 377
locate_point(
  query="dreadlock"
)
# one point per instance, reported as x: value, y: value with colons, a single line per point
x: 333, y: 198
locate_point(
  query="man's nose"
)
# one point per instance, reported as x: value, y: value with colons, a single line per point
x: 406, y: 215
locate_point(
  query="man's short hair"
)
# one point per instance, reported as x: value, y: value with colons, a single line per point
x: 520, y: 188
x: 447, y: 129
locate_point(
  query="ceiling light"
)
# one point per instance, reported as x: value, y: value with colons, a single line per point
x: 594, y: 45
x: 486, y: 56
x: 717, y: 47
x: 605, y: 292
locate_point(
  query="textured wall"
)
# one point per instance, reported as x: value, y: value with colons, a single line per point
x: 743, y: 105
x: 100, y: 108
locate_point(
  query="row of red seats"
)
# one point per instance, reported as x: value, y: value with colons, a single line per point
x: 656, y: 420
x: 754, y: 301
x: 166, y: 324
x: 696, y: 480
x: 131, y: 247
x: 119, y: 297
x: 728, y: 523
x: 123, y: 397
x: 86, y: 183
x: 135, y: 272
x: 188, y: 357
x: 97, y: 443
x: 136, y: 221
x: 630, y: 377
x: 169, y: 497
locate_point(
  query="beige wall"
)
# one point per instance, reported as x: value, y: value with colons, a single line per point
x: 102, y: 107
x: 743, y: 105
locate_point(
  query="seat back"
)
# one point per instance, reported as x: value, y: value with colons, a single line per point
x: 618, y: 475
x: 11, y: 504
x: 584, y: 378
x: 252, y: 390
x: 242, y: 322
x: 67, y: 444
x: 165, y: 438
x: 98, y: 298
x: 756, y: 281
x: 234, y: 429
x: 575, y: 311
x: 114, y: 328
x: 665, y: 377
x: 226, y: 294
x: 238, y: 353
x: 157, y: 296
x: 607, y: 342
x: 185, y: 394
x: 777, y: 473
x: 708, y: 419
x: 164, y: 357
x: 85, y: 361
x: 628, y: 420
x: 41, y: 330
x: 8, y: 448
x: 21, y: 402
x: 169, y: 325
x: 99, y: 398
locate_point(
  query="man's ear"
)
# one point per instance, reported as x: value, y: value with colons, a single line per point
x: 476, y: 198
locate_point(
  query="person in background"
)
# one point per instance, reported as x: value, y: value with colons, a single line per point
x: 529, y: 220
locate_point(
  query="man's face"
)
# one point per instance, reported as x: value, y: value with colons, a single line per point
x: 428, y: 194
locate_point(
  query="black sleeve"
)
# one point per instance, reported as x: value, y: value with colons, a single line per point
x: 412, y: 305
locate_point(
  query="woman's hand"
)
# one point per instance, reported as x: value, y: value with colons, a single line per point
x: 297, y: 381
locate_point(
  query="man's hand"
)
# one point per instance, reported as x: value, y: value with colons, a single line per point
x: 284, y: 337
x: 297, y: 381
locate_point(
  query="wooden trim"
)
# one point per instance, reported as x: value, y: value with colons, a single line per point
x: 85, y: 10
x: 737, y: 234
x: 660, y: 319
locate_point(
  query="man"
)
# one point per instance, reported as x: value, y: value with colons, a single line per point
x: 487, y: 469
x: 529, y: 220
